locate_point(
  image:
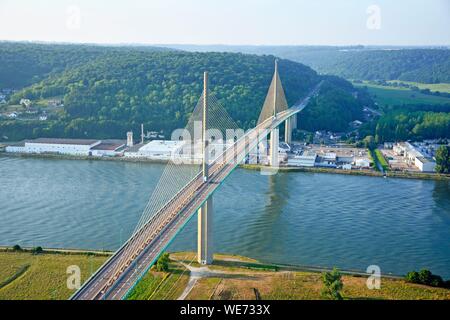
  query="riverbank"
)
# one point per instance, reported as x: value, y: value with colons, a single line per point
x: 361, y: 172
x: 60, y: 251
x: 24, y: 275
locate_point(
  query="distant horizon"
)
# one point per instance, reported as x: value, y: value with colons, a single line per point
x: 231, y: 22
x: 115, y: 44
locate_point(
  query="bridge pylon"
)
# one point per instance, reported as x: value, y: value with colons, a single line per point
x: 274, y: 104
x: 205, y: 213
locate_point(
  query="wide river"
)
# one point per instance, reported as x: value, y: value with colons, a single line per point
x: 292, y: 218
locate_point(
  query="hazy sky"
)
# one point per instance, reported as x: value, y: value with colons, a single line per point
x: 268, y: 22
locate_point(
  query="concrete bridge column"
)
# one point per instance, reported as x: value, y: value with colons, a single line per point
x: 294, y: 122
x: 288, y: 131
x: 274, y: 146
x: 204, y: 244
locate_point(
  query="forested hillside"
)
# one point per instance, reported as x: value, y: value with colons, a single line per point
x: 418, y: 65
x: 108, y: 91
x: 358, y: 62
x: 22, y: 64
x: 334, y: 109
x: 161, y: 89
x: 415, y: 122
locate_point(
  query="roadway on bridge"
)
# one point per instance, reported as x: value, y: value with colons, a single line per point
x: 115, y: 279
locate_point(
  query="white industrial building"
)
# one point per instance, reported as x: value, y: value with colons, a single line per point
x: 362, y: 162
x: 79, y: 147
x: 307, y: 159
x: 328, y: 160
x: 424, y: 164
x: 337, y: 157
x: 109, y: 148
x: 415, y: 156
x: 156, y: 149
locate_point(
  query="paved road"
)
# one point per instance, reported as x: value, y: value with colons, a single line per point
x: 115, y: 279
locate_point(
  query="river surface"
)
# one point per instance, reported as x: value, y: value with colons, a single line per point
x: 292, y: 218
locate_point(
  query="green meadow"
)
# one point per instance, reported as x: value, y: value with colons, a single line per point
x: 385, y: 95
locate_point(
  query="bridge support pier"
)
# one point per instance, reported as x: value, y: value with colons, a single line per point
x: 204, y: 237
x: 294, y: 121
x: 290, y: 125
x: 274, y: 146
x: 288, y: 131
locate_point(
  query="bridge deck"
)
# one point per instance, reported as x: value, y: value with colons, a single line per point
x: 120, y: 273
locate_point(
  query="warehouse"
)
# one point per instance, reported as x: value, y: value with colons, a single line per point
x: 78, y: 147
x: 156, y: 149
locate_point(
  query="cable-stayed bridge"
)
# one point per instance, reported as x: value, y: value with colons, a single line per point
x: 185, y: 189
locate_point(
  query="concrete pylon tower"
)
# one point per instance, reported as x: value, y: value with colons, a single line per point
x: 205, y: 213
x: 274, y: 133
x: 275, y: 95
x: 204, y: 127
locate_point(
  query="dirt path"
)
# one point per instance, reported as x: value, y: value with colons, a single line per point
x: 196, y: 273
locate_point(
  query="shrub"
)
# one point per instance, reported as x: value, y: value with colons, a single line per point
x: 412, y: 277
x: 426, y: 277
x: 333, y: 284
x: 162, y: 264
x: 37, y: 250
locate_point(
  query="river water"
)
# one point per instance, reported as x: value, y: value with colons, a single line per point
x: 292, y: 218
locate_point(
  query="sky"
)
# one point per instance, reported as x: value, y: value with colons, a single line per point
x: 230, y: 22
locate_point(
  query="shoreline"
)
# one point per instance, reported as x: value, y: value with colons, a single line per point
x: 4, y: 248
x: 363, y: 172
x: 254, y: 167
x: 242, y: 261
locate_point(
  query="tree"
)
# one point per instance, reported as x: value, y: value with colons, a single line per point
x: 162, y: 264
x: 369, y: 142
x: 17, y: 248
x: 425, y: 277
x: 333, y: 284
x: 37, y: 250
x: 413, y: 277
x: 443, y: 159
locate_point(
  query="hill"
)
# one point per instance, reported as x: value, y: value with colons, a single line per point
x: 22, y: 64
x: 106, y: 94
x: 419, y: 65
x: 423, y: 65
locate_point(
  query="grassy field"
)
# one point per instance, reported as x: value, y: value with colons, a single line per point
x: 244, y: 283
x: 161, y: 285
x: 385, y: 95
x: 381, y: 160
x: 43, y: 276
x: 441, y: 87
x: 307, y: 286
